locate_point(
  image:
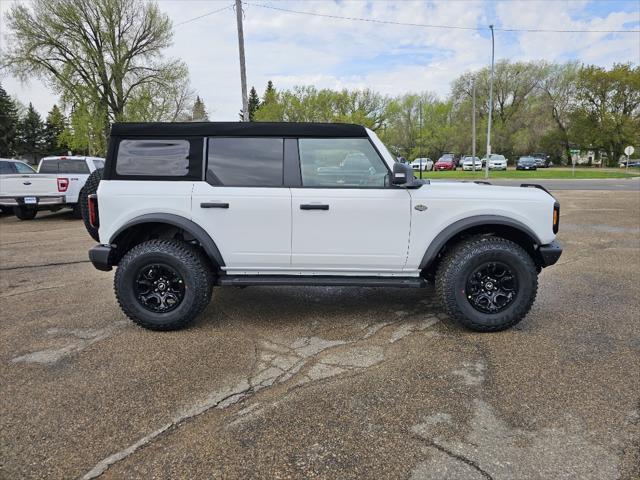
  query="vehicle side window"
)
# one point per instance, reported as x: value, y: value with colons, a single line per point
x: 245, y: 162
x: 22, y: 168
x: 98, y: 163
x: 66, y: 165
x: 341, y: 162
x: 7, y: 168
x: 155, y: 158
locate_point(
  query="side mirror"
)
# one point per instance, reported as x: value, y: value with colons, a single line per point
x: 402, y: 174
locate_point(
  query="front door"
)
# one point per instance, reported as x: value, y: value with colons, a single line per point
x: 243, y: 204
x: 345, y: 217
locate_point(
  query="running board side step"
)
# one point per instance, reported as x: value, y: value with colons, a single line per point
x: 319, y: 281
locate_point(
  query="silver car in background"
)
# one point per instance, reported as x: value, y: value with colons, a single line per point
x: 471, y: 163
x: 422, y: 163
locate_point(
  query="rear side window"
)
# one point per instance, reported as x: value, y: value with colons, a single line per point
x: 245, y: 162
x: 22, y: 168
x: 158, y: 158
x: 64, y: 166
x: 6, y: 168
x: 98, y: 163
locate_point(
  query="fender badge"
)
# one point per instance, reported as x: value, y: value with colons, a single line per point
x: 420, y: 207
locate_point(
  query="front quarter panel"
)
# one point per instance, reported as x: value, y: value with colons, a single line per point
x: 448, y: 203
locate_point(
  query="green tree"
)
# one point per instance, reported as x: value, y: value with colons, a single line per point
x: 254, y: 103
x: 85, y: 132
x: 607, y: 115
x: 199, y: 112
x: 8, y: 124
x: 54, y: 125
x: 30, y: 135
x: 99, y: 52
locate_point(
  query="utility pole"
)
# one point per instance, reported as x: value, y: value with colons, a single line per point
x: 243, y: 68
x: 473, y: 125
x: 486, y: 171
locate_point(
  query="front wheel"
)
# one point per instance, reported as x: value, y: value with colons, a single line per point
x: 163, y: 284
x: 487, y: 284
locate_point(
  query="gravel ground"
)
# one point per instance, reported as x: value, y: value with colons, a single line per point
x: 323, y: 382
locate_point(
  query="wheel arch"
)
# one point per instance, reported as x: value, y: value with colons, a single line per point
x: 505, y: 227
x: 128, y: 234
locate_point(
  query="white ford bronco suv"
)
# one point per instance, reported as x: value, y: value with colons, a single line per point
x: 182, y: 207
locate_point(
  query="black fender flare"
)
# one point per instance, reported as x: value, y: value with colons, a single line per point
x: 189, y: 226
x: 455, y: 228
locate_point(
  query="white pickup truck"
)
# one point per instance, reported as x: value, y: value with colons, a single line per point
x: 56, y: 185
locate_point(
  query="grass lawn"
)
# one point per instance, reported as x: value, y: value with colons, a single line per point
x: 553, y: 172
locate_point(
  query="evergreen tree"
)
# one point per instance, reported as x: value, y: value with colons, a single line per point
x: 254, y: 103
x: 269, y: 93
x: 8, y: 124
x: 30, y: 134
x: 199, y: 113
x: 53, y: 128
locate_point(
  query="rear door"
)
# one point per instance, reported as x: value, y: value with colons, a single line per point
x: 346, y: 216
x: 243, y: 203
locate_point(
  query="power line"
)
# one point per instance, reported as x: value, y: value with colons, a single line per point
x: 425, y: 25
x: 204, y: 15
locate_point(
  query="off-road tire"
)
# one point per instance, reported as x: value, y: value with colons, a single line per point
x: 460, y: 262
x: 188, y: 261
x: 25, y: 213
x: 90, y: 187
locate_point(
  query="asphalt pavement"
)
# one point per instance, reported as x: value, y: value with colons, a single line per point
x: 342, y: 383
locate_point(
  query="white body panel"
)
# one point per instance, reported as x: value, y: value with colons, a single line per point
x: 121, y: 201
x: 363, y: 229
x: 28, y: 185
x: 449, y: 202
x: 254, y: 233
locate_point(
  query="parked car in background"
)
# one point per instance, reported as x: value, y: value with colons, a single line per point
x: 446, y: 162
x: 496, y: 162
x: 56, y: 185
x: 542, y: 160
x: 526, y: 163
x: 471, y: 163
x: 11, y: 167
x: 424, y: 164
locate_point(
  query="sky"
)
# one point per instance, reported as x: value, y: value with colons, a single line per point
x: 293, y: 49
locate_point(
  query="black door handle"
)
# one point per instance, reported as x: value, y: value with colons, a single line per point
x: 313, y: 206
x: 214, y: 205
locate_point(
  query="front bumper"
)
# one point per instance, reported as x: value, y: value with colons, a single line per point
x: 549, y: 253
x: 101, y: 257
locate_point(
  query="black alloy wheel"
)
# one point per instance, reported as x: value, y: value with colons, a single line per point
x: 159, y: 288
x: 491, y: 287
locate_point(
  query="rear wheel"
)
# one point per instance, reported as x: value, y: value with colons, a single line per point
x: 163, y: 284
x: 487, y: 284
x: 25, y: 213
x: 90, y: 187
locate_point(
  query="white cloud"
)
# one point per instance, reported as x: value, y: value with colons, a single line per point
x: 295, y: 49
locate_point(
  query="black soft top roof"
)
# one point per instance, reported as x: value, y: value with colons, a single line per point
x: 238, y: 129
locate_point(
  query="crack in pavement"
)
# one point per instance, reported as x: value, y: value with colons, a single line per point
x: 20, y: 267
x: 275, y: 362
x: 455, y: 456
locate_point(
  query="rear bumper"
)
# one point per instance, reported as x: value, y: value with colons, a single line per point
x: 101, y: 257
x: 549, y: 253
x: 44, y: 201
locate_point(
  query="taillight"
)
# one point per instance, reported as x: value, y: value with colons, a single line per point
x: 63, y: 184
x: 93, y: 210
x: 556, y: 217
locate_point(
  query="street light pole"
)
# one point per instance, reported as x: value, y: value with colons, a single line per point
x: 486, y: 171
x: 243, y: 69
x: 473, y: 125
